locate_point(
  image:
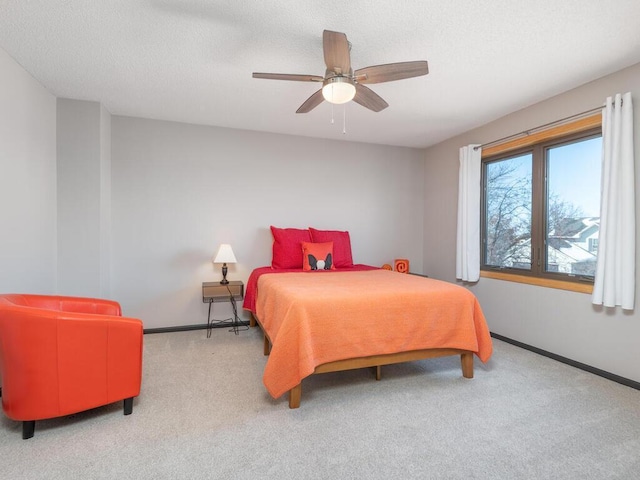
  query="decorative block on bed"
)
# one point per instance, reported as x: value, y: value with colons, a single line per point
x: 328, y: 320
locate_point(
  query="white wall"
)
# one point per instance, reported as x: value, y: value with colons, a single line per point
x: 27, y: 182
x: 558, y: 321
x: 180, y: 190
x: 83, y: 176
x: 105, y: 203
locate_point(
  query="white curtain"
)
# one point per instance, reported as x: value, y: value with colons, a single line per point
x: 468, y: 236
x: 615, y: 270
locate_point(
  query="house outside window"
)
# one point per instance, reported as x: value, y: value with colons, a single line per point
x: 541, y: 208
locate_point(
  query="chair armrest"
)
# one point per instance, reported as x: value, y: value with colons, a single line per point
x: 90, y: 305
x: 100, y: 351
x: 73, y: 304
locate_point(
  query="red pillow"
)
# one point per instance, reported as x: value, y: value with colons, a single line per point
x: 287, y: 252
x: 341, y: 245
x: 317, y: 256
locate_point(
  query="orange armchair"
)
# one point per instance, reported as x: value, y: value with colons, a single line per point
x: 63, y: 355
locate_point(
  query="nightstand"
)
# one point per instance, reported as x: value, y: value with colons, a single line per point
x: 214, y: 292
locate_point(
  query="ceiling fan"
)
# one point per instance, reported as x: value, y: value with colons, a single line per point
x: 341, y: 84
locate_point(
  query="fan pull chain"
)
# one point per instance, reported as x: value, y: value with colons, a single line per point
x: 332, y: 122
x: 344, y: 119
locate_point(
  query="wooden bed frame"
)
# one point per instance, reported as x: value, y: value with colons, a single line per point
x: 375, y: 361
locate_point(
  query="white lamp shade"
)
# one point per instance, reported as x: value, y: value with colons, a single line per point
x: 338, y: 90
x: 225, y: 254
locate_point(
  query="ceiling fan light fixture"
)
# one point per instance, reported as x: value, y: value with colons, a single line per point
x: 341, y: 83
x: 338, y: 90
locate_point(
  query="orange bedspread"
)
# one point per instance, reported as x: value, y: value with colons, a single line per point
x: 318, y: 317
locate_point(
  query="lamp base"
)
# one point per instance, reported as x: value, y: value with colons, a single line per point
x: 224, y: 280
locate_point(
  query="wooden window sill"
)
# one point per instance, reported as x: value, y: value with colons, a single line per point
x: 540, y: 282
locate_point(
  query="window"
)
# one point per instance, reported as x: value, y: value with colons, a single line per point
x: 541, y: 207
x: 507, y: 212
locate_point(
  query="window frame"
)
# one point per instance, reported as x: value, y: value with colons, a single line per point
x: 537, y: 143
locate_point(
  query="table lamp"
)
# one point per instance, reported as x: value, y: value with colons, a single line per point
x: 225, y: 255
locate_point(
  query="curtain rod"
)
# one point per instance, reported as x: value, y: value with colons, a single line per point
x: 529, y: 131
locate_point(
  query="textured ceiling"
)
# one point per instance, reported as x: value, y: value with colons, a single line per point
x: 192, y: 60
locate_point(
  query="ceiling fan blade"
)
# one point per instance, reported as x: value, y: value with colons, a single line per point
x: 336, y: 52
x: 312, y: 102
x: 391, y: 71
x: 286, y: 76
x: 369, y: 99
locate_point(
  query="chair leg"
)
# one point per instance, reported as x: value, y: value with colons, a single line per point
x: 128, y: 406
x: 28, y: 428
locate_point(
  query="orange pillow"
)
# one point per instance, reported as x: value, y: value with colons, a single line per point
x: 317, y: 256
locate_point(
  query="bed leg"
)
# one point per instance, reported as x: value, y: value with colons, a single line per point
x: 466, y: 359
x: 378, y: 371
x: 267, y: 346
x: 294, y: 396
x: 252, y: 320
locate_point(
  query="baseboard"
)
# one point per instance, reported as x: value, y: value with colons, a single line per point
x: 582, y: 366
x: 199, y: 326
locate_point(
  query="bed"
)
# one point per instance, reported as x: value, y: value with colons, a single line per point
x: 357, y: 316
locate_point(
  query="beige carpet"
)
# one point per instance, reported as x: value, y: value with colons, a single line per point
x: 204, y: 413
